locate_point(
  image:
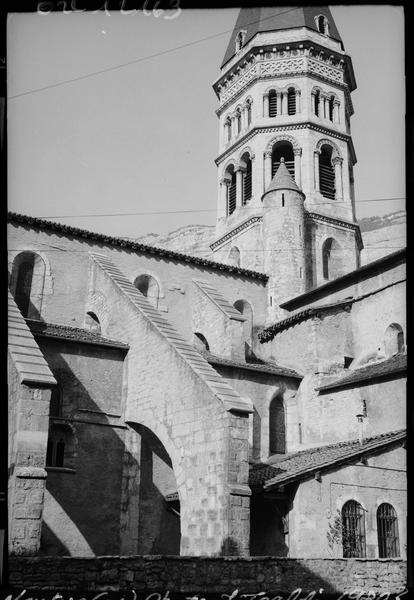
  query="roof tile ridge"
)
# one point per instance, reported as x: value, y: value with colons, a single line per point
x: 231, y: 312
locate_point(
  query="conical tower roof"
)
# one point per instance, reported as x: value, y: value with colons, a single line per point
x: 259, y: 19
x: 283, y: 180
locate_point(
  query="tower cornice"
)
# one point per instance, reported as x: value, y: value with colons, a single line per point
x: 280, y: 129
x: 276, y: 60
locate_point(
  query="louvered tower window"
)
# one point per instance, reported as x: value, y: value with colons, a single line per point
x: 231, y: 195
x: 249, y: 113
x: 317, y: 103
x: 326, y: 174
x: 277, y: 428
x: 272, y: 103
x: 387, y: 526
x: 353, y: 530
x: 238, y: 121
x: 286, y: 151
x: 331, y: 108
x: 247, y: 182
x: 291, y: 101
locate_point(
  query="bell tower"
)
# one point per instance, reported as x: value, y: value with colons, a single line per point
x: 285, y: 93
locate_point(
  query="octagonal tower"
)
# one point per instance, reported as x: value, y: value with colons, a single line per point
x: 285, y: 92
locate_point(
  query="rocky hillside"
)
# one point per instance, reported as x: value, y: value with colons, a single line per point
x: 381, y: 236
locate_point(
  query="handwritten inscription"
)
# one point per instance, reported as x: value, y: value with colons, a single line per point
x: 297, y: 594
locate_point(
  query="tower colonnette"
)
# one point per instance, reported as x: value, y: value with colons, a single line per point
x: 285, y: 92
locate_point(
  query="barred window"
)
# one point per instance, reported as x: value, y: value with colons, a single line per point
x: 387, y: 526
x: 353, y: 530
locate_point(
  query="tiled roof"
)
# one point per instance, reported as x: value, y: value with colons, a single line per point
x: 28, y: 359
x: 263, y: 367
x: 392, y: 366
x: 217, y: 385
x: 258, y: 19
x: 269, y: 333
x: 72, y: 334
x: 37, y: 223
x: 219, y: 300
x: 344, y: 281
x: 304, y: 464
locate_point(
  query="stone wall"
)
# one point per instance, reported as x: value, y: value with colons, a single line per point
x: 190, y: 574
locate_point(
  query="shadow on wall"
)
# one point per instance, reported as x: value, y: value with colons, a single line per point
x: 159, y: 521
x: 86, y: 508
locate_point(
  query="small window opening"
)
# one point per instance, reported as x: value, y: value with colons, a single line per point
x: 283, y: 199
x: 317, y: 102
x: 347, y: 361
x: 272, y: 103
x: 291, y: 101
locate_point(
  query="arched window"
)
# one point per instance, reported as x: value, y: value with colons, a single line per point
x: 283, y: 149
x: 55, y: 407
x: 148, y: 286
x: 331, y: 108
x: 246, y: 162
x: 231, y: 190
x: 60, y: 446
x: 393, y: 340
x: 92, y: 322
x: 277, y: 427
x: 238, y: 121
x: 353, y: 530
x: 326, y: 173
x: 227, y: 129
x: 332, y: 263
x: 272, y: 103
x: 27, y: 282
x: 246, y: 310
x: 200, y: 342
x: 291, y: 96
x: 322, y: 24
x: 234, y: 256
x: 317, y: 102
x: 387, y: 527
x: 249, y: 112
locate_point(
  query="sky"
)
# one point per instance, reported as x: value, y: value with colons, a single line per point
x: 141, y: 136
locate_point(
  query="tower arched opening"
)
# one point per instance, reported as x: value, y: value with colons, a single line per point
x: 285, y: 150
x: 246, y: 164
x: 291, y: 98
x: 272, y: 103
x: 230, y: 176
x: 326, y: 173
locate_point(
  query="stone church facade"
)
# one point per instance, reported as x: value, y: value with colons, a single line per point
x: 248, y: 404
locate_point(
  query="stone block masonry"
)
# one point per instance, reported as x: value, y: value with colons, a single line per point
x: 207, y: 575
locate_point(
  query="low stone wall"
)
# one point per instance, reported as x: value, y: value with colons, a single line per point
x: 208, y: 575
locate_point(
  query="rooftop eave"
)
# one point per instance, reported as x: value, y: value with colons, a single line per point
x: 389, y: 260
